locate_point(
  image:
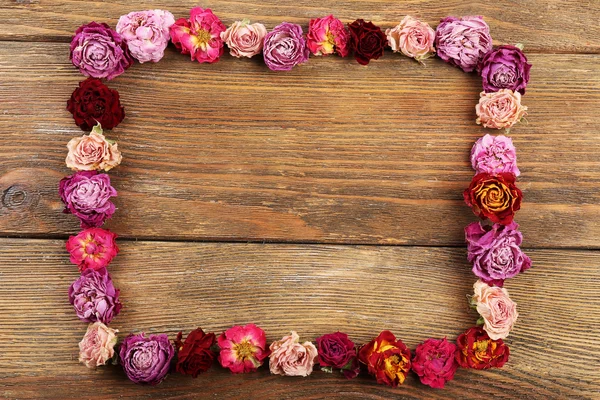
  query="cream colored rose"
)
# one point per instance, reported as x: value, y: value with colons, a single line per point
x: 97, y: 345
x: 244, y: 39
x: 92, y: 152
x: 498, y: 311
x: 413, y: 38
x: 500, y: 109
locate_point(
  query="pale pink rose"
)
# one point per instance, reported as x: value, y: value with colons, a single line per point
x: 288, y: 357
x: 498, y: 311
x: 97, y: 345
x: 501, y: 109
x: 413, y: 38
x: 146, y: 33
x: 92, y: 152
x: 244, y: 39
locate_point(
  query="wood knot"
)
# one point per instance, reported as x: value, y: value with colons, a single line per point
x: 14, y: 196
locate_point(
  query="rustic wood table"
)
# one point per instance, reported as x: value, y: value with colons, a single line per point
x: 326, y: 198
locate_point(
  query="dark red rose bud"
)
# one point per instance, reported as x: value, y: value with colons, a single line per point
x: 335, y: 350
x: 94, y: 102
x: 194, y: 355
x: 367, y: 41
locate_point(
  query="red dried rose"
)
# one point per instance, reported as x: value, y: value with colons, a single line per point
x: 336, y: 350
x: 477, y: 350
x: 494, y: 196
x: 194, y: 355
x: 94, y: 102
x: 388, y: 359
x: 366, y: 40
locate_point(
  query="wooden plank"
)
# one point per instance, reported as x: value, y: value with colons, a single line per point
x: 415, y: 292
x: 566, y: 27
x: 233, y: 152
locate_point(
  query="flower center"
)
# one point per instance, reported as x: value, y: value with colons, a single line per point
x: 244, y: 350
x: 203, y: 36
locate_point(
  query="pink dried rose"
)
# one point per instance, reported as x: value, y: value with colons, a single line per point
x: 87, y: 194
x: 327, y: 35
x: 146, y: 33
x: 495, y: 252
x: 434, y: 362
x: 93, y: 152
x: 494, y: 155
x: 244, y: 39
x: 285, y: 47
x: 199, y: 36
x: 99, y: 52
x: 413, y: 38
x: 289, y: 357
x: 463, y: 42
x: 497, y: 310
x: 92, y: 248
x: 501, y: 109
x: 243, y: 348
x: 97, y: 345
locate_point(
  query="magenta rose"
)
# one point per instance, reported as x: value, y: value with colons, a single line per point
x: 494, y: 155
x: 99, y: 52
x: 94, y: 296
x: 285, y: 47
x: 87, y: 194
x: 463, y: 42
x: 434, y: 362
x: 495, y: 252
x: 336, y: 350
x: 505, y: 67
x: 146, y: 360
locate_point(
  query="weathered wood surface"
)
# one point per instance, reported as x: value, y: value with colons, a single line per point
x: 550, y: 26
x: 330, y: 153
x: 233, y: 152
x: 415, y: 292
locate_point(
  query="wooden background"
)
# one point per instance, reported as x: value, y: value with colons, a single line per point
x: 327, y: 198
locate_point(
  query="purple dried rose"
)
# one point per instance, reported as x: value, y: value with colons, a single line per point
x: 94, y: 296
x: 463, y: 41
x: 495, y: 252
x: 505, y: 68
x: 146, y: 359
x: 494, y: 155
x: 86, y: 195
x: 99, y: 52
x: 285, y: 47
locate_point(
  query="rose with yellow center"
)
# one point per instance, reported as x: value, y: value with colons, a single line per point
x: 243, y: 348
x: 477, y: 350
x: 327, y: 35
x: 199, y: 36
x: 494, y: 196
x: 388, y: 359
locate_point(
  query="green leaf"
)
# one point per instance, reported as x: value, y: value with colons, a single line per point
x: 520, y: 46
x: 480, y: 321
x: 98, y: 129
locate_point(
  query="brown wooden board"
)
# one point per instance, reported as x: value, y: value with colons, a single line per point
x: 565, y: 26
x: 232, y: 151
x: 315, y: 289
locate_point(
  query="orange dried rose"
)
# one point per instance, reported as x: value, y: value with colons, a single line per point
x: 388, y: 359
x: 477, y: 350
x: 494, y: 196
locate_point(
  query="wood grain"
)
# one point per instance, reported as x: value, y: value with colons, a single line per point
x: 549, y: 26
x: 167, y: 287
x: 233, y: 152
